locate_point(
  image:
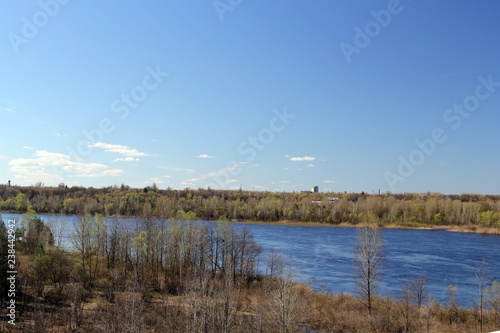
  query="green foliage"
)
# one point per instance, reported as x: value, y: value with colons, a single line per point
x: 39, y: 272
x: 409, y: 208
x: 39, y: 250
x: 34, y: 233
x: 21, y: 202
x: 438, y: 219
x: 69, y: 206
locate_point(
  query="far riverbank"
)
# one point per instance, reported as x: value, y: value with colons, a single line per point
x: 400, y: 225
x: 413, y: 226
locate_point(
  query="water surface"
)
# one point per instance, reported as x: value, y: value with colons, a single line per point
x: 324, y: 254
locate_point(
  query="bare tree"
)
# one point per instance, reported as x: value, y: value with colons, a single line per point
x: 405, y: 305
x: 369, y: 259
x: 452, y: 302
x: 58, y: 227
x: 493, y: 301
x: 419, y: 291
x: 273, y: 262
x: 284, y: 294
x: 481, y: 272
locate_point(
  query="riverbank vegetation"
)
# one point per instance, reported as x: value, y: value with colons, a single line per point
x: 170, y: 275
x: 465, y: 212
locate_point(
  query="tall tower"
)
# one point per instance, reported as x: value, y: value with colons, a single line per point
x: 315, y: 189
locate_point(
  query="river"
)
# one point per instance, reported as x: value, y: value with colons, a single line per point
x: 324, y: 254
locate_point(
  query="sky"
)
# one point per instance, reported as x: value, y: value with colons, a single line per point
x: 401, y: 96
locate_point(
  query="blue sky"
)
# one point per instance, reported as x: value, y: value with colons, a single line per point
x: 268, y: 95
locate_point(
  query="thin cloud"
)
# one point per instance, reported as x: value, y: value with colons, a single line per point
x: 329, y: 181
x: 205, y: 156
x: 300, y: 159
x: 310, y: 165
x: 3, y: 108
x: 119, y: 149
x: 125, y: 159
x: 28, y: 147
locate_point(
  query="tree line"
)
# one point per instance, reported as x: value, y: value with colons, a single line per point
x: 409, y: 209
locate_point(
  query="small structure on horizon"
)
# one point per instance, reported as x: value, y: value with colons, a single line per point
x: 9, y: 182
x: 315, y: 189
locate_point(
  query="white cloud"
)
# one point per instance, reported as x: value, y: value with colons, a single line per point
x: 232, y: 181
x: 119, y: 149
x: 259, y: 187
x: 166, y: 176
x: 287, y: 156
x: 285, y: 181
x: 164, y: 167
x: 28, y: 147
x: 125, y: 159
x: 50, y: 167
x: 310, y: 165
x: 329, y: 181
x: 300, y: 159
x: 205, y: 156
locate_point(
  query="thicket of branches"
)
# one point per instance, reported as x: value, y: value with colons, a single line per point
x: 409, y: 209
x: 187, y: 276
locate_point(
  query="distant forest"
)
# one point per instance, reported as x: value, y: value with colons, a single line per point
x: 409, y: 209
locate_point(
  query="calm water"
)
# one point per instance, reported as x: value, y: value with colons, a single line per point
x: 324, y: 254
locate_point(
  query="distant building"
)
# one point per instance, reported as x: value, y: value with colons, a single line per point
x: 315, y: 189
x: 9, y: 182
